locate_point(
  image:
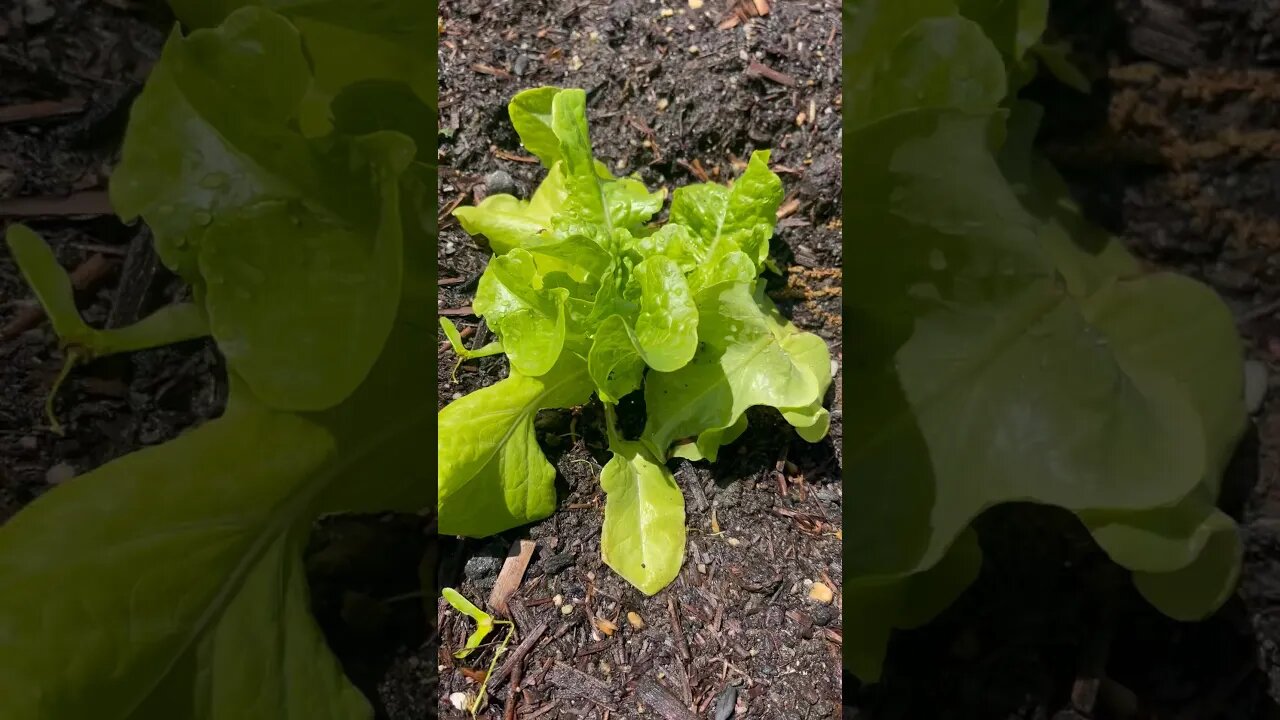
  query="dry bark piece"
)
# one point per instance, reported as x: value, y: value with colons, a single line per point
x: 677, y: 632
x: 91, y: 202
x: 759, y: 69
x: 578, y: 684
x: 512, y: 575
x: 40, y: 110
x: 517, y: 655
x: 660, y: 700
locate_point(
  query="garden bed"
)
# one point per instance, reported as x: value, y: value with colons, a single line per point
x: 676, y: 98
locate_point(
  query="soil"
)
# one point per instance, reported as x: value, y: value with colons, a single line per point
x: 671, y: 95
x: 69, y: 70
x: 1176, y: 152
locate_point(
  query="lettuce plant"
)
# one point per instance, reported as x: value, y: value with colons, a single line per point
x: 169, y: 582
x: 1008, y: 351
x: 588, y: 296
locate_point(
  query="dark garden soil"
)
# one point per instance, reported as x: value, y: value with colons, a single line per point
x: 69, y: 70
x: 1178, y: 152
x: 678, y: 98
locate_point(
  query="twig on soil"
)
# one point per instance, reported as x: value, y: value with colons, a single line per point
x: 681, y: 677
x: 457, y: 312
x: 491, y: 70
x: 448, y: 209
x: 518, y: 655
x: 649, y: 135
x: 40, y: 110
x: 788, y: 208
x: 504, y: 155
x: 809, y: 524
x: 695, y: 169
x: 677, y: 632
x: 513, y: 695
x: 112, y: 250
x: 759, y: 69
x: 544, y: 710
x: 89, y: 202
x: 595, y: 647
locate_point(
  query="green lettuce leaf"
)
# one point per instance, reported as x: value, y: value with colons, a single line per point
x: 251, y: 212
x: 508, y: 222
x: 644, y: 535
x: 1012, y: 363
x: 348, y: 42
x: 748, y: 358
x: 531, y: 116
x: 197, y: 564
x: 663, y: 335
x: 529, y: 319
x: 943, y: 62
x: 492, y: 474
x: 743, y: 214
x: 191, y: 550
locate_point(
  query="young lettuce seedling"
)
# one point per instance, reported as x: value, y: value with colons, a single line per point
x: 588, y: 297
x: 484, y: 625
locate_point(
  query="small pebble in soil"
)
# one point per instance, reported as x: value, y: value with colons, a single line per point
x: 566, y: 609
x: 459, y: 700
x: 725, y: 703
x: 821, y: 593
x: 636, y: 621
x: 482, y: 570
x: 822, y: 615
x: 500, y: 182
x: 558, y: 563
x: 60, y: 473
